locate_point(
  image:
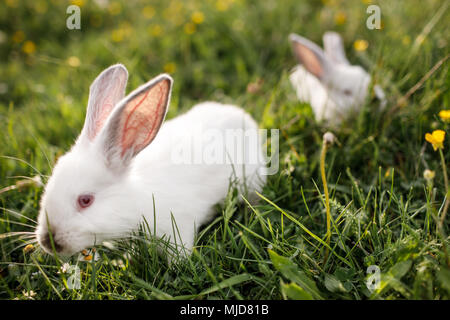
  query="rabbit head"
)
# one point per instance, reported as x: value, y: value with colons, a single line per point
x: 326, y: 78
x: 89, y: 196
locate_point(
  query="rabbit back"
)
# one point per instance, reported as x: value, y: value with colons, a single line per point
x: 186, y: 187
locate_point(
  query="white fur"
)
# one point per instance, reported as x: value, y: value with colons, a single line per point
x: 123, y: 197
x: 341, y: 88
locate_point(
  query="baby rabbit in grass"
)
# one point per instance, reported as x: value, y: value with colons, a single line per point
x: 326, y: 79
x: 124, y: 158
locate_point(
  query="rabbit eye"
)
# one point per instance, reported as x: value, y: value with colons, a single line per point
x: 85, y: 200
x: 347, y: 92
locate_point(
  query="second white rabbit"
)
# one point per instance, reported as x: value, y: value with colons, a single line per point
x: 326, y: 80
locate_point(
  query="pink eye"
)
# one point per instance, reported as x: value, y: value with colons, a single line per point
x: 85, y: 200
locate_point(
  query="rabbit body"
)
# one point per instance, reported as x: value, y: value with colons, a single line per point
x: 128, y: 165
x: 189, y: 191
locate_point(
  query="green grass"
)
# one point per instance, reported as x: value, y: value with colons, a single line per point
x: 382, y: 208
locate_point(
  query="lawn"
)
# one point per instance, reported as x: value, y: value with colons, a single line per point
x: 385, y: 214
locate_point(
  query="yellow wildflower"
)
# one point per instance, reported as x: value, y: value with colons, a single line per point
x: 222, y: 5
x: 18, y: 36
x: 115, y: 8
x: 198, y: 17
x: 360, y: 45
x: 28, y: 248
x: 148, y: 12
x: 122, y: 32
x: 340, y: 18
x: 73, y: 61
x: 388, y: 172
x: 117, y: 35
x: 78, y: 3
x: 444, y: 115
x: 436, y: 138
x: 155, y: 30
x: 29, y: 47
x: 189, y: 28
x: 40, y: 6
x: 169, y: 67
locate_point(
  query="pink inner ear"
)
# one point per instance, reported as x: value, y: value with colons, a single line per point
x: 142, y: 118
x: 308, y: 59
x: 108, y: 97
x: 100, y: 119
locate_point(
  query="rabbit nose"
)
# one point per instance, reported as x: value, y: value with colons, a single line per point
x: 47, y: 243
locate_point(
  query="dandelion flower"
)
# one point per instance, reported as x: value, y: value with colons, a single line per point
x: 117, y: 35
x: 28, y: 248
x: 73, y: 62
x: 198, y: 17
x: 155, y: 30
x: 18, y: 36
x: 40, y: 7
x: 29, y: 47
x: 169, y: 67
x: 360, y: 45
x: 78, y: 3
x: 115, y: 8
x: 340, y: 18
x: 388, y: 172
x: 148, y: 12
x: 436, y: 138
x: 189, y: 28
x: 444, y: 115
x: 222, y: 5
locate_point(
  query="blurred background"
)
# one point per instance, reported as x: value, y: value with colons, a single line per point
x: 215, y: 50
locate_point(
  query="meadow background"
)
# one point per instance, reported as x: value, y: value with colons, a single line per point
x: 237, y: 51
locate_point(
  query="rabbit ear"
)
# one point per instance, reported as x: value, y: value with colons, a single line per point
x: 106, y: 90
x: 334, y: 47
x: 311, y: 56
x: 135, y: 121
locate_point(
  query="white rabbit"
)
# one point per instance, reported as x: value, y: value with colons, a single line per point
x: 326, y: 80
x: 104, y: 186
